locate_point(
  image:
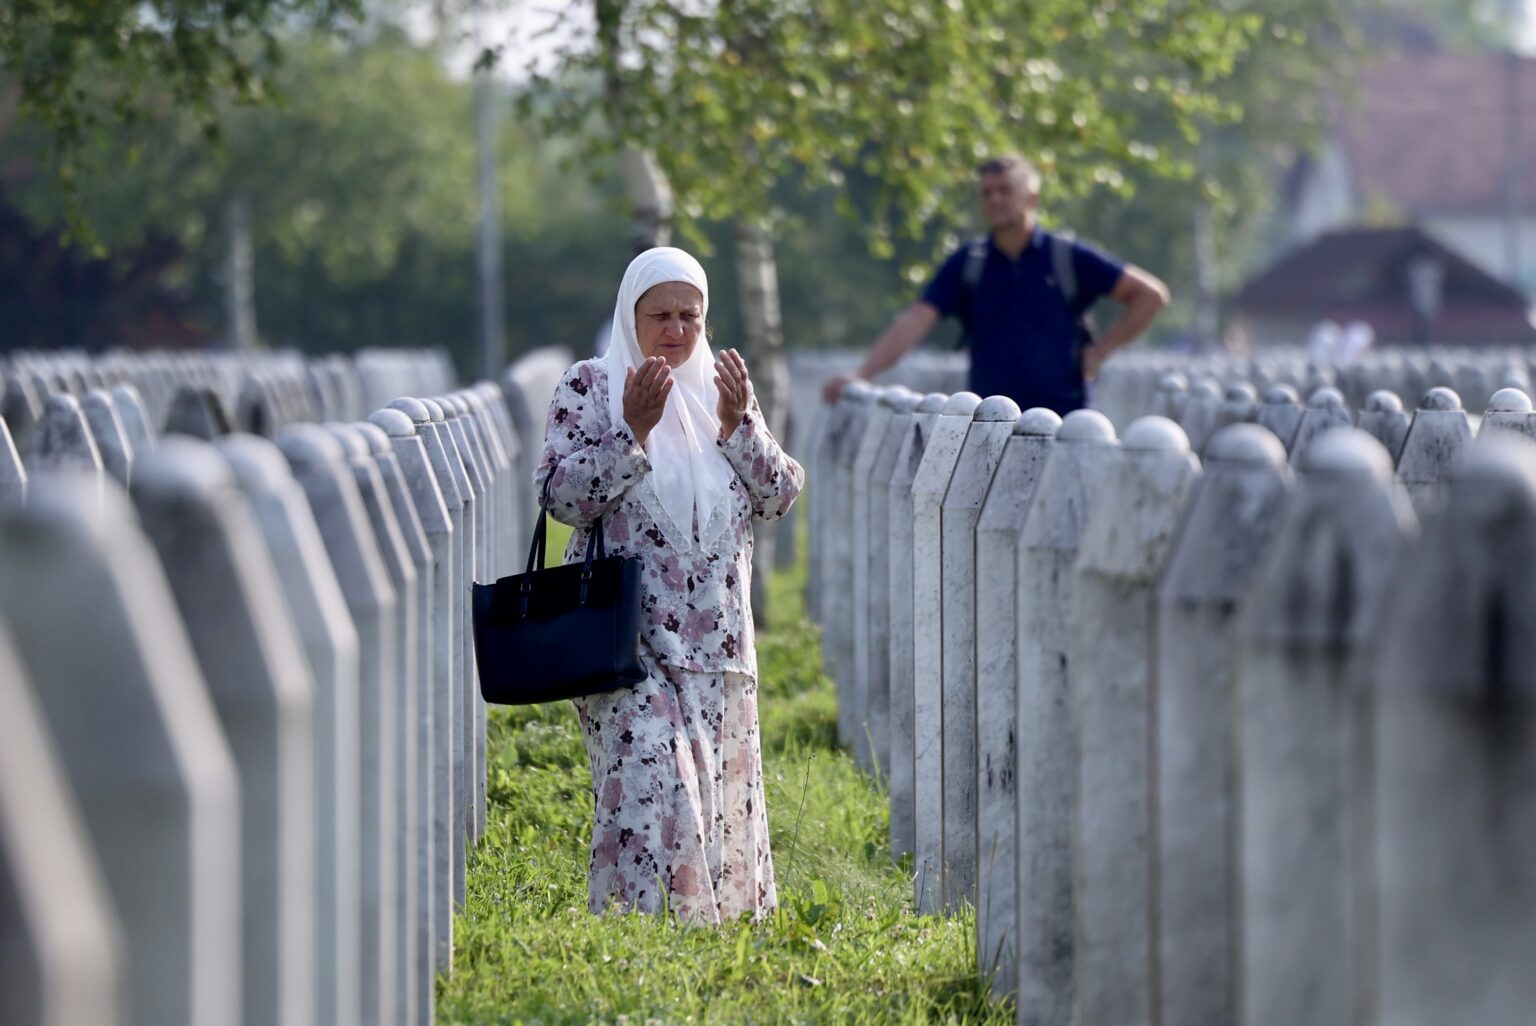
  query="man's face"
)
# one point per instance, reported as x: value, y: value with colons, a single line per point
x: 1006, y: 201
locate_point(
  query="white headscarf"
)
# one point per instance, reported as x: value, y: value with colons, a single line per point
x: 690, y: 478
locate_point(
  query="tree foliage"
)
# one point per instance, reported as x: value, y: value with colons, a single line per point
x: 733, y: 97
x: 73, y: 65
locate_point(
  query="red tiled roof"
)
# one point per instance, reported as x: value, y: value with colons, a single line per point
x: 1427, y: 132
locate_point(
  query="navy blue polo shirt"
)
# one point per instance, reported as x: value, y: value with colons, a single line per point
x: 1023, y: 336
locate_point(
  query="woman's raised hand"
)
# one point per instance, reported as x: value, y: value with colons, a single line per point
x: 646, y: 388
x: 735, y: 390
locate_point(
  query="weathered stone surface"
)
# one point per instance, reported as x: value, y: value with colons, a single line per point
x: 13, y: 475
x: 404, y: 651
x: 1172, y: 393
x: 1325, y: 412
x: 1198, y: 418
x: 444, y: 668
x: 420, y: 720
x: 199, y: 412
x: 1065, y: 496
x: 137, y: 735
x: 1314, y: 607
x: 903, y: 410
x: 1382, y: 418
x: 1239, y: 405
x: 331, y: 649
x: 903, y: 627
x: 1455, y: 757
x: 1436, y: 439
x: 448, y: 475
x: 997, y: 672
x: 319, y: 465
x: 928, y: 490
x: 61, y: 957
x: 109, y: 434
x: 991, y: 426
x: 852, y: 411
x: 1227, y: 530
x: 243, y: 634
x: 1509, y: 410
x: 1281, y: 412
x: 63, y: 441
x: 1126, y: 539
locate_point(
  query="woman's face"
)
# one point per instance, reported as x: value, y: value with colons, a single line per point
x: 669, y: 320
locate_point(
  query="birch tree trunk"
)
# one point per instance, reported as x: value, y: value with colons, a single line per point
x: 757, y: 275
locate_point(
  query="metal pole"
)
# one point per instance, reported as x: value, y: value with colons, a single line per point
x: 492, y: 312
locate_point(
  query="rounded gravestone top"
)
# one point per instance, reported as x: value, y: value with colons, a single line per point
x: 413, y: 408
x: 455, y: 402
x: 995, y: 409
x: 394, y: 422
x: 352, y: 442
x: 1383, y: 401
x: 1509, y: 400
x: 1038, y: 421
x: 1440, y: 399
x: 891, y: 397
x: 1326, y: 398
x: 310, y: 443
x: 1347, y: 451
x: 1281, y: 395
x: 859, y: 392
x: 1155, y: 434
x: 961, y: 404
x: 1085, y: 426
x: 182, y: 465
x: 257, y: 464
x: 373, y: 436
x: 1173, y: 381
x: 1245, y: 443
x: 1205, y: 388
x: 933, y: 402
x: 906, y: 401
x: 1241, y: 392
x: 435, y: 411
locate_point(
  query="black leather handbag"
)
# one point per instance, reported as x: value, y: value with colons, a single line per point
x: 573, y: 630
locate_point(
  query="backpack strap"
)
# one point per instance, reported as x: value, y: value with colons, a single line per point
x: 1062, y: 265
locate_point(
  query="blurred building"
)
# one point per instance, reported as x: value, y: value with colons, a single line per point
x: 1442, y: 140
x: 1407, y: 285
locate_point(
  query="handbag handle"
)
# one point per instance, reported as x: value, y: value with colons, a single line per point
x: 597, y: 546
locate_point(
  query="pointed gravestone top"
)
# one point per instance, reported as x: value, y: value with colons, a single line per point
x: 198, y: 412
x: 64, y: 438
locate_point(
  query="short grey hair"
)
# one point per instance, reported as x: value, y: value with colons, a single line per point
x: 1015, y: 164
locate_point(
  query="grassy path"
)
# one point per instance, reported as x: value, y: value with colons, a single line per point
x: 844, y: 947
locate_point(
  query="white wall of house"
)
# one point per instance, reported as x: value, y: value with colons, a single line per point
x: 1483, y: 241
x: 1325, y: 200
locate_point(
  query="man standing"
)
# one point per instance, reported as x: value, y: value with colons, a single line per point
x: 1021, y: 294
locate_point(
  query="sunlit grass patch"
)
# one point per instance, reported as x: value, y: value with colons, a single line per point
x: 845, y: 945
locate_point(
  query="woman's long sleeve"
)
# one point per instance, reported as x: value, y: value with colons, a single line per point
x: 593, y: 462
x: 772, y: 478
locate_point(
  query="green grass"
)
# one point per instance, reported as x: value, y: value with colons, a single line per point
x: 844, y: 947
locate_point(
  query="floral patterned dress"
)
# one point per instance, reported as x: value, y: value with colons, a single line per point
x: 677, y: 780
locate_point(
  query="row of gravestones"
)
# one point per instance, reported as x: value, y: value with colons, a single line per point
x: 1201, y: 741
x: 257, y: 394
x: 1128, y: 385
x: 242, y: 749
